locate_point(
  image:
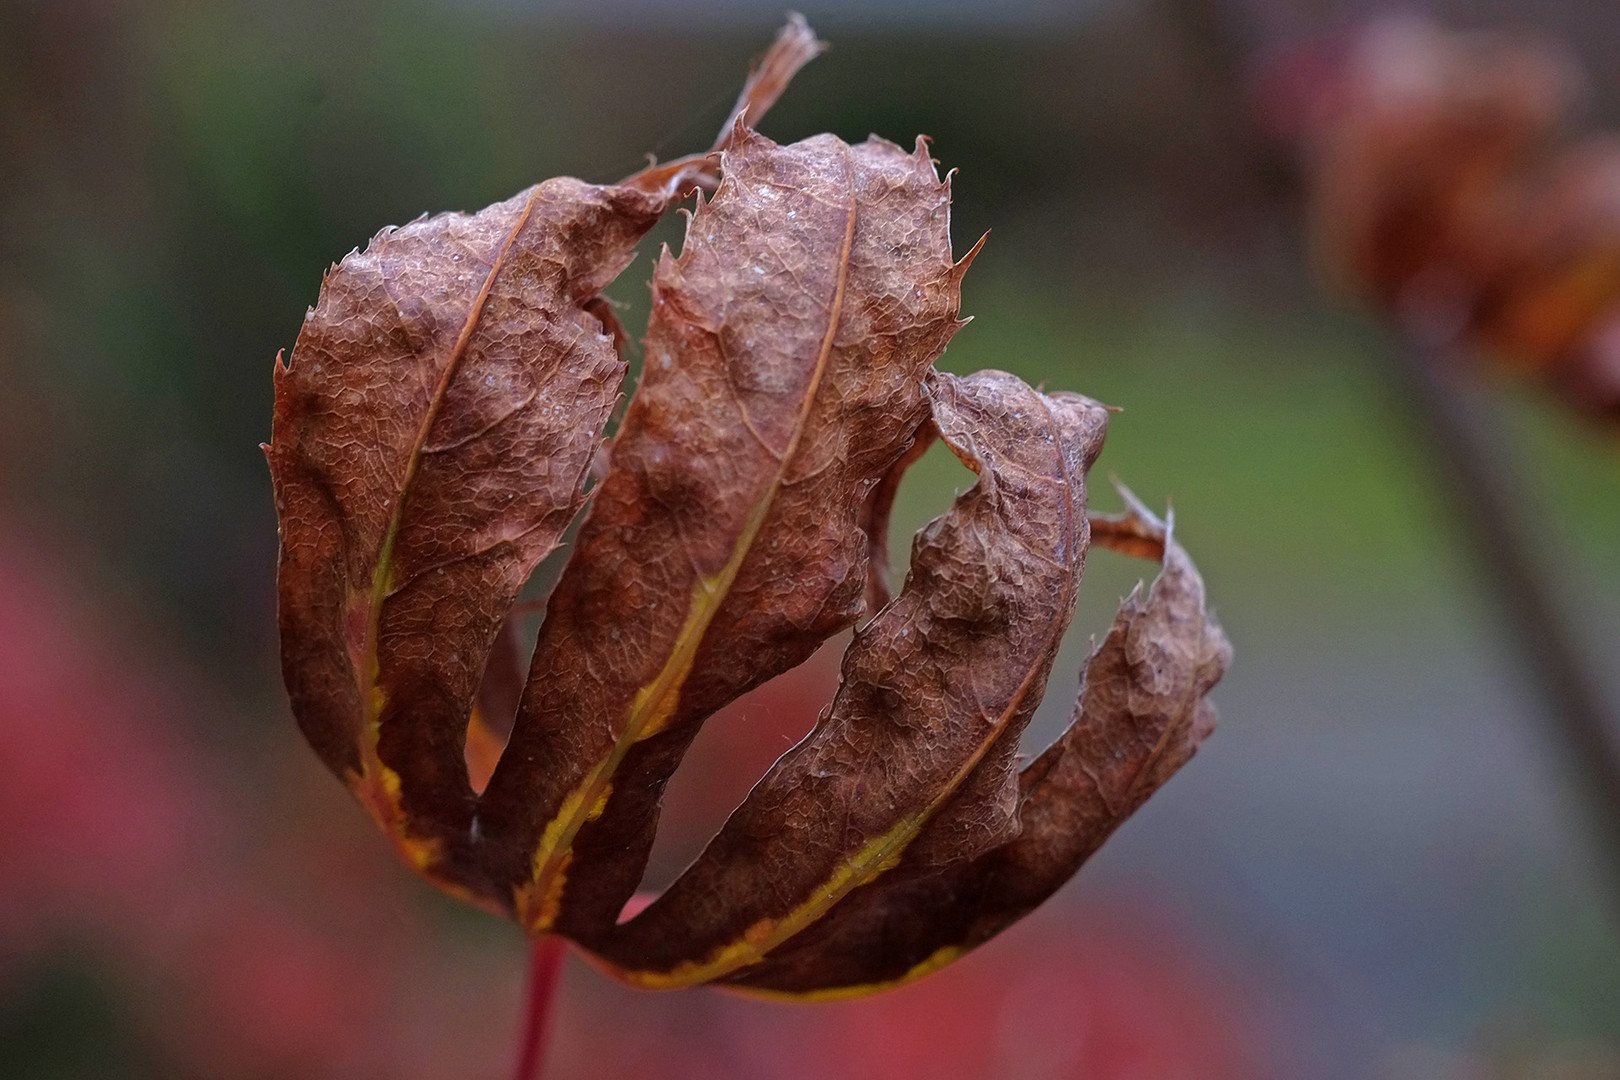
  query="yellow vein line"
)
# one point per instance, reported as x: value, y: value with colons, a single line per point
x: 376, y: 773
x: 656, y: 702
x: 877, y: 855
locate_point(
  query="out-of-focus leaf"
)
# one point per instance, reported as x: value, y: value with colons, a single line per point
x: 1442, y: 193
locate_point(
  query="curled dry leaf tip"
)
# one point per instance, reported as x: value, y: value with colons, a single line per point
x: 435, y: 434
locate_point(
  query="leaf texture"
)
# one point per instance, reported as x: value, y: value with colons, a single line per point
x: 917, y: 749
x: 429, y: 446
x: 438, y: 430
x: 1141, y: 715
x: 783, y: 379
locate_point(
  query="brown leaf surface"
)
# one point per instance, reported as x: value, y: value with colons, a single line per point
x: 917, y: 750
x: 429, y: 446
x: 783, y: 379
x: 436, y: 433
x: 1140, y: 716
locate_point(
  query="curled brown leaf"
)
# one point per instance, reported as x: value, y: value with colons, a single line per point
x: 917, y: 747
x: 1141, y: 714
x: 429, y: 447
x: 783, y: 378
x: 436, y: 432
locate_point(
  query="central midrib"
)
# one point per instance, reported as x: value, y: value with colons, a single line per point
x: 658, y: 697
x: 382, y: 575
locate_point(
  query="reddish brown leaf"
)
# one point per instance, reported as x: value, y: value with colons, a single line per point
x: 917, y: 749
x: 1443, y: 193
x: 1141, y: 715
x: 430, y: 445
x: 783, y: 379
x: 436, y: 432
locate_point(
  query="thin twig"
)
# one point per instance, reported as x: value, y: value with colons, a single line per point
x: 1466, y: 445
x: 546, y: 956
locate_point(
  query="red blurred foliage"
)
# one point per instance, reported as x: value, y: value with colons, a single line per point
x: 117, y: 833
x: 1118, y: 995
x: 95, y: 809
x: 1446, y: 192
x: 1114, y: 1001
x: 268, y: 941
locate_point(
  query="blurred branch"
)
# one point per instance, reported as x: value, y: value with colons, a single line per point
x: 1465, y: 441
x: 1479, y: 478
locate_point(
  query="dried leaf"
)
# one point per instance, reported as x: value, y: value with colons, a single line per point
x: 436, y: 433
x: 1413, y: 160
x: 429, y: 446
x: 1443, y: 193
x: 1141, y: 715
x: 783, y: 379
x: 918, y: 746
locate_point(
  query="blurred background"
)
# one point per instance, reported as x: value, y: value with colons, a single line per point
x: 1375, y: 868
